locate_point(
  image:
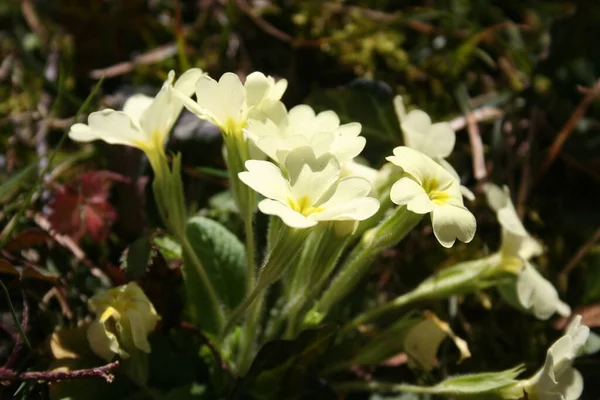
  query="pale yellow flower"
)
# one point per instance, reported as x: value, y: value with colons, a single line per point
x: 311, y: 191
x: 145, y: 122
x: 429, y: 188
x: 124, y: 318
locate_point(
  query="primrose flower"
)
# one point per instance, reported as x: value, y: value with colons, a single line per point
x: 429, y: 188
x: 531, y: 291
x: 436, y: 141
x: 144, y: 123
x: 124, y: 318
x: 311, y: 192
x: 229, y: 104
x: 557, y: 379
x: 302, y: 127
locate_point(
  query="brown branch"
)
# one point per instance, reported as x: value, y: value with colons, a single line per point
x: 53, y: 376
x: 576, y: 259
x: 568, y: 128
x: 153, y: 56
x: 485, y: 113
x: 479, y: 169
x: 272, y: 30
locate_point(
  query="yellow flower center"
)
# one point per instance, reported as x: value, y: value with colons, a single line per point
x: 432, y: 188
x: 233, y: 127
x: 303, y: 205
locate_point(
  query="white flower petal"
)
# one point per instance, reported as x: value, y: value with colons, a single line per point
x: 357, y: 209
x: 496, y: 197
x: 353, y: 168
x: 344, y: 190
x: 135, y: 106
x: 158, y: 119
x: 287, y: 215
x: 114, y: 127
x: 186, y: 83
x: 407, y: 191
x: 223, y: 100
x: 311, y: 176
x: 536, y: 294
x: 415, y: 125
x: 257, y: 87
x: 265, y: 178
x: 414, y: 163
x: 399, y: 108
x: 440, y: 140
x: 278, y: 89
x: 453, y: 222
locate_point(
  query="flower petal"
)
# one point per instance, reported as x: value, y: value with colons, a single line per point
x: 265, y: 178
x: 311, y: 176
x: 257, y: 87
x: 357, y: 209
x: 114, y: 127
x: 408, y: 192
x: 414, y: 163
x: 102, y: 342
x: 287, y: 215
x: 399, y: 108
x: 344, y: 190
x: 186, y: 83
x: 453, y: 222
x: 223, y: 100
x: 135, y: 106
x: 138, y: 331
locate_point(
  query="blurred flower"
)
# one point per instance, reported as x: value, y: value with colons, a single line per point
x: 313, y: 191
x: 557, y: 379
x: 229, y: 104
x: 144, y: 122
x: 81, y: 207
x: 531, y: 291
x: 434, y: 140
x: 124, y: 318
x: 429, y: 188
x: 302, y: 127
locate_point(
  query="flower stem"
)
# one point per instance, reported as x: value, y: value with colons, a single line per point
x: 191, y: 256
x: 358, y: 386
x: 388, y: 234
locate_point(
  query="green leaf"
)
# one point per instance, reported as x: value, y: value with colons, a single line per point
x: 473, y: 384
x: 293, y: 362
x: 168, y: 247
x: 138, y: 257
x: 223, y: 257
x: 12, y: 186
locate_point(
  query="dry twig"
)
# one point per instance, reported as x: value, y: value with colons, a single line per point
x: 104, y: 372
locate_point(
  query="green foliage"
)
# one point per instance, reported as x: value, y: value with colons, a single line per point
x: 291, y: 361
x: 222, y: 255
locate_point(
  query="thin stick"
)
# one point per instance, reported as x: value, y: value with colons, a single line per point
x: 568, y: 128
x: 53, y: 376
x: 479, y: 169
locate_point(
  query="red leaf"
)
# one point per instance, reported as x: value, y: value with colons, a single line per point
x: 81, y: 207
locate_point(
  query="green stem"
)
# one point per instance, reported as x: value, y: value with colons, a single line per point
x: 250, y: 249
x: 380, y: 386
x: 212, y: 294
x: 388, y: 234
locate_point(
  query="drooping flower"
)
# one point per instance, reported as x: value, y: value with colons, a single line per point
x: 557, y: 379
x: 311, y: 192
x: 429, y: 188
x: 423, y: 341
x: 531, y: 291
x: 229, y: 104
x: 436, y: 141
x: 124, y: 318
x: 303, y: 127
x: 144, y: 122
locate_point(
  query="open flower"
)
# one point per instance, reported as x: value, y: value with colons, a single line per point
x: 302, y: 127
x: 429, y: 188
x: 144, y: 122
x: 557, y: 379
x: 436, y: 141
x: 124, y: 318
x: 229, y: 104
x: 312, y: 192
x: 531, y: 291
